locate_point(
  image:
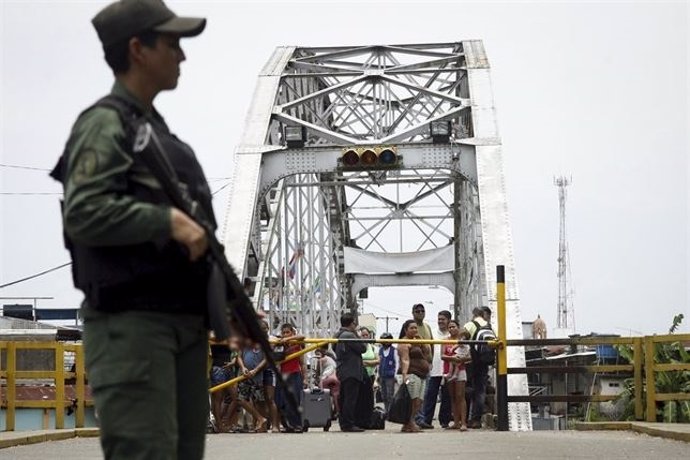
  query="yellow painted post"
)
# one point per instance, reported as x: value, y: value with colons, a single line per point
x: 502, y: 376
x: 59, y: 385
x: 649, y: 378
x: 81, y: 386
x: 46, y: 418
x: 11, y: 386
x: 637, y: 366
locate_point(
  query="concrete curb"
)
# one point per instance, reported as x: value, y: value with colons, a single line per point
x: 22, y: 438
x: 87, y: 432
x: 676, y: 431
x: 599, y: 426
x: 665, y: 430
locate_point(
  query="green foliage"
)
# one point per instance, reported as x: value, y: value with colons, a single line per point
x: 665, y: 382
x: 627, y: 396
x: 676, y: 323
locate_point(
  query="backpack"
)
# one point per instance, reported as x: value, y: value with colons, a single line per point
x: 482, y: 352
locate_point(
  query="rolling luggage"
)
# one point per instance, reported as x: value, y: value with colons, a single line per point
x: 317, y: 409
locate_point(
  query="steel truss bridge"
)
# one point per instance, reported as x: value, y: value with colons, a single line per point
x: 312, y: 231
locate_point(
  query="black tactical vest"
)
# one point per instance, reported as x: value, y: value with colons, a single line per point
x: 144, y: 276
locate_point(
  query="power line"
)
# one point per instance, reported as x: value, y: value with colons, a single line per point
x: 373, y: 305
x: 60, y: 193
x: 65, y: 264
x: 29, y: 193
x: 68, y: 263
x: 36, y: 275
x: 30, y: 168
x: 220, y: 189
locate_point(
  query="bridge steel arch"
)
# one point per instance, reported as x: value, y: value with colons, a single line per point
x: 311, y: 233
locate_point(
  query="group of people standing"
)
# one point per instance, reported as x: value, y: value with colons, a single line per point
x: 354, y: 371
x: 257, y: 394
x: 425, y: 369
x: 461, y: 381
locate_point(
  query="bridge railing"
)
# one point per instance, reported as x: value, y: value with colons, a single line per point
x: 652, y: 367
x: 636, y: 368
x: 11, y: 375
x: 644, y: 366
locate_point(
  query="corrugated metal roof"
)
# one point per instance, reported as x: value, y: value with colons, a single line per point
x: 23, y: 329
x: 7, y: 322
x: 571, y: 355
x: 36, y: 392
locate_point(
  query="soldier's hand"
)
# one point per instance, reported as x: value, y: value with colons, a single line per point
x: 187, y: 232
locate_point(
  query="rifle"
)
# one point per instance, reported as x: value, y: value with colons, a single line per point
x: 227, y: 299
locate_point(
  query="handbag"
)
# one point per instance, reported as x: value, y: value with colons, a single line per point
x: 401, y: 406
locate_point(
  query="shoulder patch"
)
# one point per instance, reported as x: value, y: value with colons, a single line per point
x: 86, y: 166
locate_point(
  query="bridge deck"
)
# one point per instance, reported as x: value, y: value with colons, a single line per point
x: 388, y: 444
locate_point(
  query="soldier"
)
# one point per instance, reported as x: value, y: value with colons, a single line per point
x: 139, y: 260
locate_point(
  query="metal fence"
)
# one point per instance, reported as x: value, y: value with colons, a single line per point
x: 10, y: 373
x: 643, y: 367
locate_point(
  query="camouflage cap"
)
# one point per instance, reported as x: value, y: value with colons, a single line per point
x: 126, y: 18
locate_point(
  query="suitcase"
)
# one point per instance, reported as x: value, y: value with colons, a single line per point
x: 317, y: 407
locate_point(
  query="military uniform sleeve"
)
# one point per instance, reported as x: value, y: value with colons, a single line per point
x: 97, y: 209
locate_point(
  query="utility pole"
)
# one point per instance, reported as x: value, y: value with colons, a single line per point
x: 565, y: 318
x: 387, y: 318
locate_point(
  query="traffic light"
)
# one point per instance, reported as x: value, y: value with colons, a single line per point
x: 379, y: 157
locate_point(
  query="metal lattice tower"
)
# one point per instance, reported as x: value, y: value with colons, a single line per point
x: 312, y: 233
x: 565, y: 315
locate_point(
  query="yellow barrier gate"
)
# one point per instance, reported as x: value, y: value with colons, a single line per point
x: 10, y: 374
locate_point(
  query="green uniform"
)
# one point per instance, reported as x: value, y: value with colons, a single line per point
x: 97, y: 210
x: 148, y: 374
x: 147, y: 369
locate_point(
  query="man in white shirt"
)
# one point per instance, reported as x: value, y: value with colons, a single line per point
x: 426, y: 415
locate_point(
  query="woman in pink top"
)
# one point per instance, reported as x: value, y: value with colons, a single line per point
x: 454, y: 358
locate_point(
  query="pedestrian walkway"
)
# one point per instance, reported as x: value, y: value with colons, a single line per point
x: 390, y: 443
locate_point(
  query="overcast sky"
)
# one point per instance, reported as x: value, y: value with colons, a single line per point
x: 595, y: 91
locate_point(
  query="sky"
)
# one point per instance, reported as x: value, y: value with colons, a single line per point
x: 594, y: 91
